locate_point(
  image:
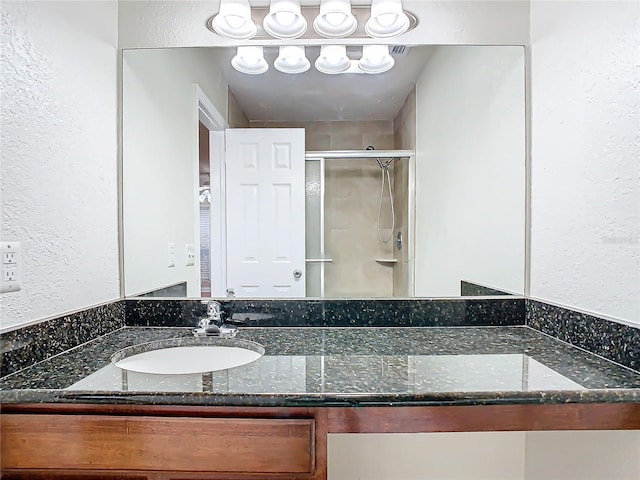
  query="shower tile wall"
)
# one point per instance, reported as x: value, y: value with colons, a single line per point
x: 352, y: 190
x: 404, y: 127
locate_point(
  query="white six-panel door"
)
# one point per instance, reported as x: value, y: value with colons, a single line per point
x: 265, y: 212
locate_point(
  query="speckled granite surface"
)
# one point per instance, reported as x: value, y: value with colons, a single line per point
x: 177, y: 290
x: 28, y: 345
x: 614, y: 341
x: 470, y: 289
x: 334, y: 313
x: 342, y: 366
x: 35, y: 343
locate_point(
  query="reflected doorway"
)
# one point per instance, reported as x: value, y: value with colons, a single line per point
x: 204, y: 199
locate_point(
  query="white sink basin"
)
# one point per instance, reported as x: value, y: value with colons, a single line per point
x: 187, y: 355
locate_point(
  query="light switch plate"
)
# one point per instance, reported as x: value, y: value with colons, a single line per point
x: 172, y: 254
x: 11, y: 267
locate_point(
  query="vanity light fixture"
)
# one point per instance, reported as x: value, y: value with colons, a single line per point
x: 376, y: 59
x: 387, y: 19
x: 250, y: 60
x: 333, y: 59
x: 285, y: 19
x: 292, y: 59
x: 234, y: 20
x: 335, y: 19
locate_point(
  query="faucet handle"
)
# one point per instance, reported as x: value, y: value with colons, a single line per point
x: 214, y: 309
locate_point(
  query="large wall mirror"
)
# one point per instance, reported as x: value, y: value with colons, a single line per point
x: 409, y: 182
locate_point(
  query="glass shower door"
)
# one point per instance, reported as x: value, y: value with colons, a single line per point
x: 316, y: 257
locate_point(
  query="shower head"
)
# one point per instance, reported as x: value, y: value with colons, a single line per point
x: 383, y: 165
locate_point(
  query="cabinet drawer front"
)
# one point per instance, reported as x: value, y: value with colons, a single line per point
x: 179, y: 444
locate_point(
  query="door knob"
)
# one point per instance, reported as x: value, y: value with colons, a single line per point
x: 297, y: 274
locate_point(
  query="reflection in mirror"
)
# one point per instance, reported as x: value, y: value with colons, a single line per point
x: 445, y: 221
x: 329, y: 374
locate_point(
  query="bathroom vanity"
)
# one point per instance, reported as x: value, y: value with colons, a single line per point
x: 78, y: 414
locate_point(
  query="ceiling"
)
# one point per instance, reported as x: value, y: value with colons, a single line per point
x: 314, y: 96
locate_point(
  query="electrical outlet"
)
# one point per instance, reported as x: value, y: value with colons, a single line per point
x: 8, y: 258
x: 190, y: 254
x: 11, y: 275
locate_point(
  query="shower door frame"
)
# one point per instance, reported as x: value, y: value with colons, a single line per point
x: 322, y: 258
x: 323, y: 155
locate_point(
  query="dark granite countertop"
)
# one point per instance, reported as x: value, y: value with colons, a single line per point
x: 341, y: 367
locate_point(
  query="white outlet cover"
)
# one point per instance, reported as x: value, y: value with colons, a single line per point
x: 11, y: 266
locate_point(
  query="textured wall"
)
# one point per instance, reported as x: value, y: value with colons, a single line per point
x: 585, y: 245
x: 470, y: 173
x: 157, y: 23
x: 160, y: 158
x: 59, y: 150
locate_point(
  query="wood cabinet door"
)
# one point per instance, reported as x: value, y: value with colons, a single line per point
x: 184, y: 446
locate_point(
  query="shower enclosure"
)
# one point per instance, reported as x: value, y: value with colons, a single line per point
x: 359, y: 223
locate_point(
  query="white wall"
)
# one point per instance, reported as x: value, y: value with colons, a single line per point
x: 158, y: 23
x: 160, y: 161
x: 585, y: 241
x: 59, y: 149
x: 570, y: 455
x: 426, y: 456
x: 470, y: 170
x: 598, y: 455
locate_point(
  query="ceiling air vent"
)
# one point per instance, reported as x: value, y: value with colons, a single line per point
x: 400, y: 50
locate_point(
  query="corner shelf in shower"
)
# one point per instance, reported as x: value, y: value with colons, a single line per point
x: 319, y: 259
x: 386, y: 261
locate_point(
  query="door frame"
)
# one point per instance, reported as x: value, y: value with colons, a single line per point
x: 208, y: 114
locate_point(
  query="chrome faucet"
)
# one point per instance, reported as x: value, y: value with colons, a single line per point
x: 212, y: 325
x: 214, y: 311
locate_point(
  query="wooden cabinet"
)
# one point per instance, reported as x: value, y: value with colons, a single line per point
x: 176, y: 447
x: 51, y: 475
x: 142, y: 442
